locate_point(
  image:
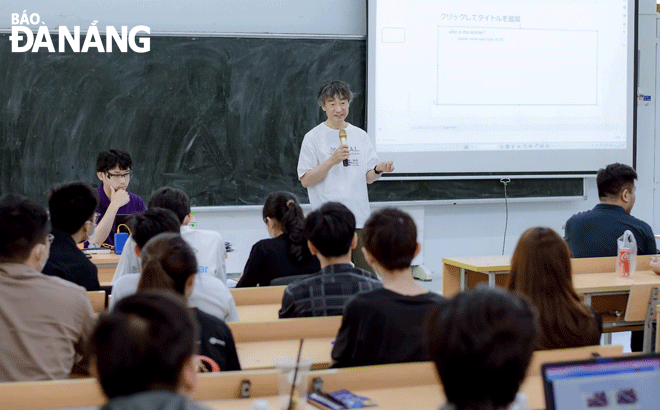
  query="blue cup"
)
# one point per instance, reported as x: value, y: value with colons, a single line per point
x: 120, y: 241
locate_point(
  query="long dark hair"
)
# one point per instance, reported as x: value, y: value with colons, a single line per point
x: 541, y: 270
x: 285, y: 209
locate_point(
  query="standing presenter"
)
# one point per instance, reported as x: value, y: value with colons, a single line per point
x: 339, y: 170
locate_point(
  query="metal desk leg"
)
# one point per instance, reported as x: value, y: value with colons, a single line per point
x: 462, y: 279
x: 491, y: 279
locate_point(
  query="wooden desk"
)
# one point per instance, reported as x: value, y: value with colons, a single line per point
x: 592, y: 277
x: 258, y: 343
x: 411, y: 385
x: 259, y: 313
x: 466, y: 272
x: 106, y: 264
x: 260, y: 295
x: 259, y: 355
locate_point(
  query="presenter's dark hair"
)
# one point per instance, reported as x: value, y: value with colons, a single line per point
x: 614, y: 178
x: 173, y: 199
x: 330, y: 228
x: 390, y: 235
x: 107, y: 160
x: 334, y: 89
x: 167, y: 263
x: 481, y: 342
x: 143, y: 344
x: 71, y: 205
x: 541, y: 270
x: 150, y: 223
x: 23, y: 224
x: 285, y: 209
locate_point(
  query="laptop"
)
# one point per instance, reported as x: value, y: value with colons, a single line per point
x: 626, y: 382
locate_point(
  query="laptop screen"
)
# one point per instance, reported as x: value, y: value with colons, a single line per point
x: 631, y: 382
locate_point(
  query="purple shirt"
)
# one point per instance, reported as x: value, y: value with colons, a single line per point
x: 133, y: 206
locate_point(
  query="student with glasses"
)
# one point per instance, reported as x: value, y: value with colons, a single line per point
x: 72, y: 213
x: 113, y: 168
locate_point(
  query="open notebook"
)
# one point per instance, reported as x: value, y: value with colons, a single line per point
x: 628, y: 382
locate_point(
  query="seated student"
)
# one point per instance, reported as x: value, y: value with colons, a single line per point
x: 593, y: 233
x: 209, y: 245
x: 209, y: 293
x: 72, y: 214
x: 113, y: 168
x: 143, y: 354
x: 481, y: 342
x: 541, y: 270
x: 286, y: 252
x: 330, y: 233
x: 385, y: 325
x: 169, y: 263
x: 45, y: 320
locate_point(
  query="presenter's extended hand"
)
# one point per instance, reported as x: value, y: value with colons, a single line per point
x: 385, y: 166
x: 341, y: 153
x: 119, y: 196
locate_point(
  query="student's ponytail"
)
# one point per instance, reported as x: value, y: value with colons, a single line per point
x: 284, y: 207
x: 154, y: 277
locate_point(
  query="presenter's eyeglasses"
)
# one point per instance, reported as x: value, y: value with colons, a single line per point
x: 118, y: 177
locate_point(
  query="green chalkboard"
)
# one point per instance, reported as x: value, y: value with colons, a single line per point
x: 221, y: 118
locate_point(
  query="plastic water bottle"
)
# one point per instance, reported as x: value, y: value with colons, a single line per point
x: 193, y: 221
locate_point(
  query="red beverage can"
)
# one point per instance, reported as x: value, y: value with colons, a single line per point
x: 623, y: 263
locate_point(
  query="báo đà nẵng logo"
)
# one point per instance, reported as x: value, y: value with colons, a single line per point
x: 23, y: 37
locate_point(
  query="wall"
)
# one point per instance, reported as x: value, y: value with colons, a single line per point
x: 448, y: 229
x: 336, y: 17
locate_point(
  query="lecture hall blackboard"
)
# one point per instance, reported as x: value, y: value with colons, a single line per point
x: 220, y: 117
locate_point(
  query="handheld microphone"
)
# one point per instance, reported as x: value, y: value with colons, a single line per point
x: 342, y: 141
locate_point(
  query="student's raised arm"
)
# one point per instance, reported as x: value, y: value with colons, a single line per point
x: 118, y: 198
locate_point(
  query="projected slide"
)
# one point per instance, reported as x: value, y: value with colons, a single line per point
x: 505, y: 66
x: 484, y: 76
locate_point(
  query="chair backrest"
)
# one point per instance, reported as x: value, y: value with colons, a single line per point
x: 285, y: 329
x: 97, y: 298
x: 575, y: 353
x: 638, y: 302
x: 285, y: 280
x: 260, y: 295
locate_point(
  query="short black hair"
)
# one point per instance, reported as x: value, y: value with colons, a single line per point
x: 333, y: 89
x: 482, y: 341
x: 614, y: 178
x: 70, y: 205
x: 23, y: 224
x: 150, y: 223
x: 330, y: 229
x: 143, y: 344
x: 107, y: 160
x: 390, y: 235
x: 173, y: 199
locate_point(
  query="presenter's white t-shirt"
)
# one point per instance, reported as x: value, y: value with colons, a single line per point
x: 347, y: 185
